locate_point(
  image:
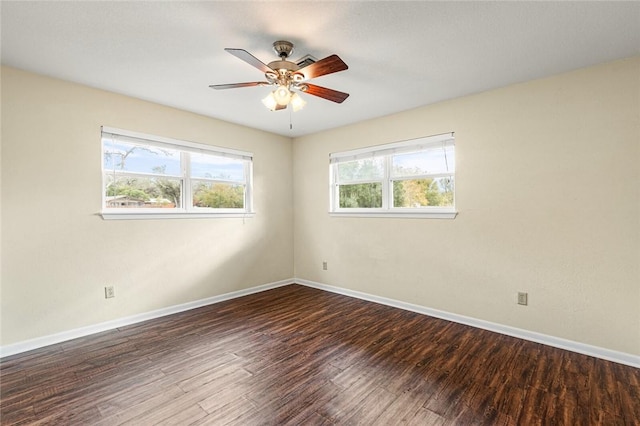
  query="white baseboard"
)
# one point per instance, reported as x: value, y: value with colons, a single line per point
x: 40, y: 342
x: 582, y: 348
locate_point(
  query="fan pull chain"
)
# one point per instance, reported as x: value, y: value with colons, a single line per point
x: 290, y: 121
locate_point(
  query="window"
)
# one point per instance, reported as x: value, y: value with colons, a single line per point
x: 151, y: 177
x: 414, y: 178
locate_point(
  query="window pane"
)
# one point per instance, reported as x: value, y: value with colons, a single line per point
x: 213, y: 167
x: 136, y: 192
x: 360, y: 170
x: 130, y: 157
x: 432, y: 160
x: 218, y: 195
x: 363, y: 195
x: 414, y: 193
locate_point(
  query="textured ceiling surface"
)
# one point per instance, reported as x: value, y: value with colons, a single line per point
x: 401, y: 55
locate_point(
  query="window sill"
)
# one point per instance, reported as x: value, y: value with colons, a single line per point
x: 398, y: 214
x: 175, y: 215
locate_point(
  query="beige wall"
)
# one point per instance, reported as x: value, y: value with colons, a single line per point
x: 548, y: 190
x: 548, y: 194
x: 57, y: 254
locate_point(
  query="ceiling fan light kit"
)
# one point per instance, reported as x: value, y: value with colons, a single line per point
x: 289, y: 78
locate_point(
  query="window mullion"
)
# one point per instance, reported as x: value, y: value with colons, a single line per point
x: 187, y: 196
x: 336, y: 188
x: 425, y: 176
x: 357, y: 182
x: 248, y: 196
x: 125, y: 173
x: 333, y: 187
x: 387, y: 193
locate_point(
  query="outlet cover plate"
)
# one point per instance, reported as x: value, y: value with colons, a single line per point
x: 522, y: 298
x: 109, y: 292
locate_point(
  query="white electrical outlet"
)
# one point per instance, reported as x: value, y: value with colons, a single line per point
x: 109, y: 292
x: 522, y: 298
x: 324, y: 265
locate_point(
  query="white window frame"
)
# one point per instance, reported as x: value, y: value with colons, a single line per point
x: 186, y: 209
x: 386, y: 152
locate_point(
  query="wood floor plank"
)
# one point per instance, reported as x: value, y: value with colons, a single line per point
x: 188, y: 416
x: 292, y: 408
x: 130, y: 410
x: 426, y: 417
x: 296, y: 355
x: 403, y: 408
x: 230, y: 413
x: 370, y: 408
x: 133, y: 392
x: 225, y: 375
x: 629, y: 397
x: 343, y: 403
x: 86, y: 393
x: 183, y: 409
x: 217, y: 401
x: 303, y: 403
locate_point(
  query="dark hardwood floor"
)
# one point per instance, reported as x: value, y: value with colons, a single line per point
x: 297, y: 355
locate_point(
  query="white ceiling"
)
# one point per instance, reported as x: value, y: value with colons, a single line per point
x: 401, y: 55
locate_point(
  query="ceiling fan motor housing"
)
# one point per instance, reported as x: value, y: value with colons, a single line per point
x: 283, y: 48
x: 285, y: 71
x: 283, y: 65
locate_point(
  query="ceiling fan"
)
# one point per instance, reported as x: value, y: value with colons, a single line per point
x: 289, y: 77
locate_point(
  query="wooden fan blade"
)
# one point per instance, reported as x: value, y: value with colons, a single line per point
x: 236, y: 85
x: 250, y: 59
x: 325, y: 66
x: 323, y: 92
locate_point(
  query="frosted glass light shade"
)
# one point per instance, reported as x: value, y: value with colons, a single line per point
x: 282, y: 95
x: 297, y: 103
x: 270, y: 101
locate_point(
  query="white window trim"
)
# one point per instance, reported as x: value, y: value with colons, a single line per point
x: 176, y: 215
x: 409, y: 214
x: 187, y: 211
x: 385, y: 151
